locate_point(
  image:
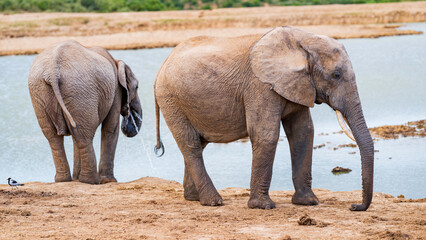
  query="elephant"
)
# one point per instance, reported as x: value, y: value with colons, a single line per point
x: 218, y: 90
x: 73, y: 90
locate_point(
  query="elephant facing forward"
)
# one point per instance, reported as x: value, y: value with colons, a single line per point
x: 73, y: 90
x: 222, y: 89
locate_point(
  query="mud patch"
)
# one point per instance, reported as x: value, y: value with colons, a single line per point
x: 306, y: 221
x: 349, y: 145
x: 17, y: 212
x: 25, y: 194
x: 404, y: 200
x: 398, y: 235
x: 411, y: 129
x: 319, y: 146
x: 340, y: 170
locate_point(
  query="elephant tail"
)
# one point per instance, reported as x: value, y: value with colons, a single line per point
x: 159, y: 148
x: 54, y: 83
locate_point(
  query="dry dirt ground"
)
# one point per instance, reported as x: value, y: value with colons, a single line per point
x: 32, y: 32
x: 152, y: 208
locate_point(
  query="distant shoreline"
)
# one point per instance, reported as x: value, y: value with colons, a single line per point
x: 30, y: 33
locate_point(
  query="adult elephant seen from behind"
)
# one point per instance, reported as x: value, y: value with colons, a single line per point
x: 74, y: 89
x: 223, y: 89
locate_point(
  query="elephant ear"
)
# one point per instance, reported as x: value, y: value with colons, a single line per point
x: 122, y: 79
x: 280, y: 60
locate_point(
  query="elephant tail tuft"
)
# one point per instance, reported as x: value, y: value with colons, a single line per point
x: 159, y: 148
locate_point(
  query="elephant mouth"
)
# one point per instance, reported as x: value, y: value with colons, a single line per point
x: 131, y: 124
x: 344, y: 125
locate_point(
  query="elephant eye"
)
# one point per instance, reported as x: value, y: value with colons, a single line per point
x: 336, y: 75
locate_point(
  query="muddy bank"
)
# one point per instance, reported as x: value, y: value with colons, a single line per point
x: 410, y: 129
x: 152, y: 208
x: 33, y: 32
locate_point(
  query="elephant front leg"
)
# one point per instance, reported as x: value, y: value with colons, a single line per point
x: 110, y: 132
x: 56, y: 143
x: 264, y: 133
x: 300, y: 134
x: 263, y: 160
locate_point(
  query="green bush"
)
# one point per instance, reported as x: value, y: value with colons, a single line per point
x: 153, y: 5
x: 206, y: 7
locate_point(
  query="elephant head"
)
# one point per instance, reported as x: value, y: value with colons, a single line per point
x: 130, y: 105
x: 305, y: 68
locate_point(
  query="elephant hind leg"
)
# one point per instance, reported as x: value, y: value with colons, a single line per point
x: 110, y: 131
x: 56, y: 143
x: 77, y: 162
x: 88, y: 172
x: 190, y: 191
x: 197, y: 183
x: 196, y: 175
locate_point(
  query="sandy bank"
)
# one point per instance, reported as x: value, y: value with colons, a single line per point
x: 152, y: 208
x: 32, y: 32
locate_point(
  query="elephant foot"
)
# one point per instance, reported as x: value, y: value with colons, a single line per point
x: 211, y: 199
x: 304, y: 198
x: 262, y: 202
x: 191, y: 194
x: 107, y: 179
x: 63, y: 177
x: 89, y: 178
x: 76, y: 174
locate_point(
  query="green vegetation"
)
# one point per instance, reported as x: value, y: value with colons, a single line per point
x: 153, y: 5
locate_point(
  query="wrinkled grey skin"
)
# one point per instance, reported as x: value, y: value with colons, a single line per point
x: 73, y: 90
x: 223, y: 89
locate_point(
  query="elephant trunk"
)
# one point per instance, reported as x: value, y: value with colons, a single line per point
x: 356, y: 121
x: 132, y: 123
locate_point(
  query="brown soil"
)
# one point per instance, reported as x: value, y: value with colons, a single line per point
x: 32, y: 32
x: 152, y: 208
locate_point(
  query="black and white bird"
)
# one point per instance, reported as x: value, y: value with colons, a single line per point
x: 13, y: 183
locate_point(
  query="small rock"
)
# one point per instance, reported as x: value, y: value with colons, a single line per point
x: 25, y: 213
x: 340, y: 170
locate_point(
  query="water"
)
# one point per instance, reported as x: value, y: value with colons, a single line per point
x: 391, y: 79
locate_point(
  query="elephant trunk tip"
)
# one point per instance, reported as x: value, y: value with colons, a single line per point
x: 360, y: 207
